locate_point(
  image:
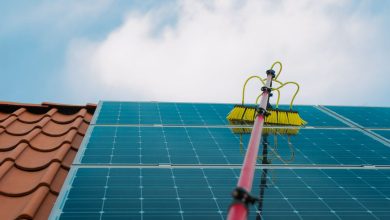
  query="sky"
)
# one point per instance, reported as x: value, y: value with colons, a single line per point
x: 194, y: 50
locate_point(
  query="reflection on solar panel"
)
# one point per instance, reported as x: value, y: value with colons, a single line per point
x: 207, y: 145
x: 376, y: 117
x: 182, y: 160
x: 205, y: 193
x: 146, y: 113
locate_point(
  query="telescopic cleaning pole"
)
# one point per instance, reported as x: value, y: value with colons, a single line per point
x: 241, y: 194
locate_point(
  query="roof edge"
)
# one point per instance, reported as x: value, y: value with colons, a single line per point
x: 45, y: 106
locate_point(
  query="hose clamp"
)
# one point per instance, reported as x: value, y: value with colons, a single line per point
x: 262, y: 111
x: 266, y: 89
x: 271, y: 72
x: 240, y: 195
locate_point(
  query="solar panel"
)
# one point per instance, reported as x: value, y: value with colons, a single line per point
x: 383, y: 133
x: 374, y: 117
x: 147, y: 113
x: 209, y: 145
x: 164, y: 193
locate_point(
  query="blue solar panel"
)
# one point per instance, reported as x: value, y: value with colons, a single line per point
x: 374, y: 117
x: 383, y: 133
x: 147, y: 113
x: 207, y: 145
x: 163, y: 193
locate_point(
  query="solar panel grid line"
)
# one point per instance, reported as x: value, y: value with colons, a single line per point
x: 332, y: 211
x: 104, y: 195
x: 356, y: 200
x: 107, y: 178
x: 174, y: 182
x: 204, y: 175
x: 217, y: 113
x: 219, y: 210
x: 177, y: 195
x: 140, y: 152
x: 373, y: 188
x: 216, y: 142
x: 142, y: 195
x: 288, y: 202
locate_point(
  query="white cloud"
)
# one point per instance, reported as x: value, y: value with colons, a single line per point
x: 213, y: 46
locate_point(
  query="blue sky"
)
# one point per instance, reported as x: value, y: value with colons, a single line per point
x: 34, y: 38
x: 85, y: 51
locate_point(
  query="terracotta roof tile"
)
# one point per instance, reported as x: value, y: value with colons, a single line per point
x: 37, y: 146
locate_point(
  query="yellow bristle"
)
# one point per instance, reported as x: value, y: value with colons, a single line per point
x: 295, y: 119
x: 272, y: 118
x: 303, y: 122
x: 242, y: 115
x: 235, y: 113
x: 249, y: 115
x: 239, y: 113
x: 282, y: 118
x: 291, y: 118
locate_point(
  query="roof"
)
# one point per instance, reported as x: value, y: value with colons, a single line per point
x: 38, y: 143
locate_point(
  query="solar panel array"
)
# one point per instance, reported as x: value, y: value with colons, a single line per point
x: 151, y: 160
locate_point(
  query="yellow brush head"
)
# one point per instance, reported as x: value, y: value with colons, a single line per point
x: 247, y: 114
x: 242, y: 113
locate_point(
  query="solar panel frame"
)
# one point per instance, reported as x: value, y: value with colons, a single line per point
x: 385, y: 133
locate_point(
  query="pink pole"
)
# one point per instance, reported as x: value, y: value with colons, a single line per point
x: 238, y: 211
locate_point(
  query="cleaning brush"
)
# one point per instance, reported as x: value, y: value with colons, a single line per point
x: 246, y: 114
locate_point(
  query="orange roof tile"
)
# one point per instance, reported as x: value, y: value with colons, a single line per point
x: 37, y: 146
